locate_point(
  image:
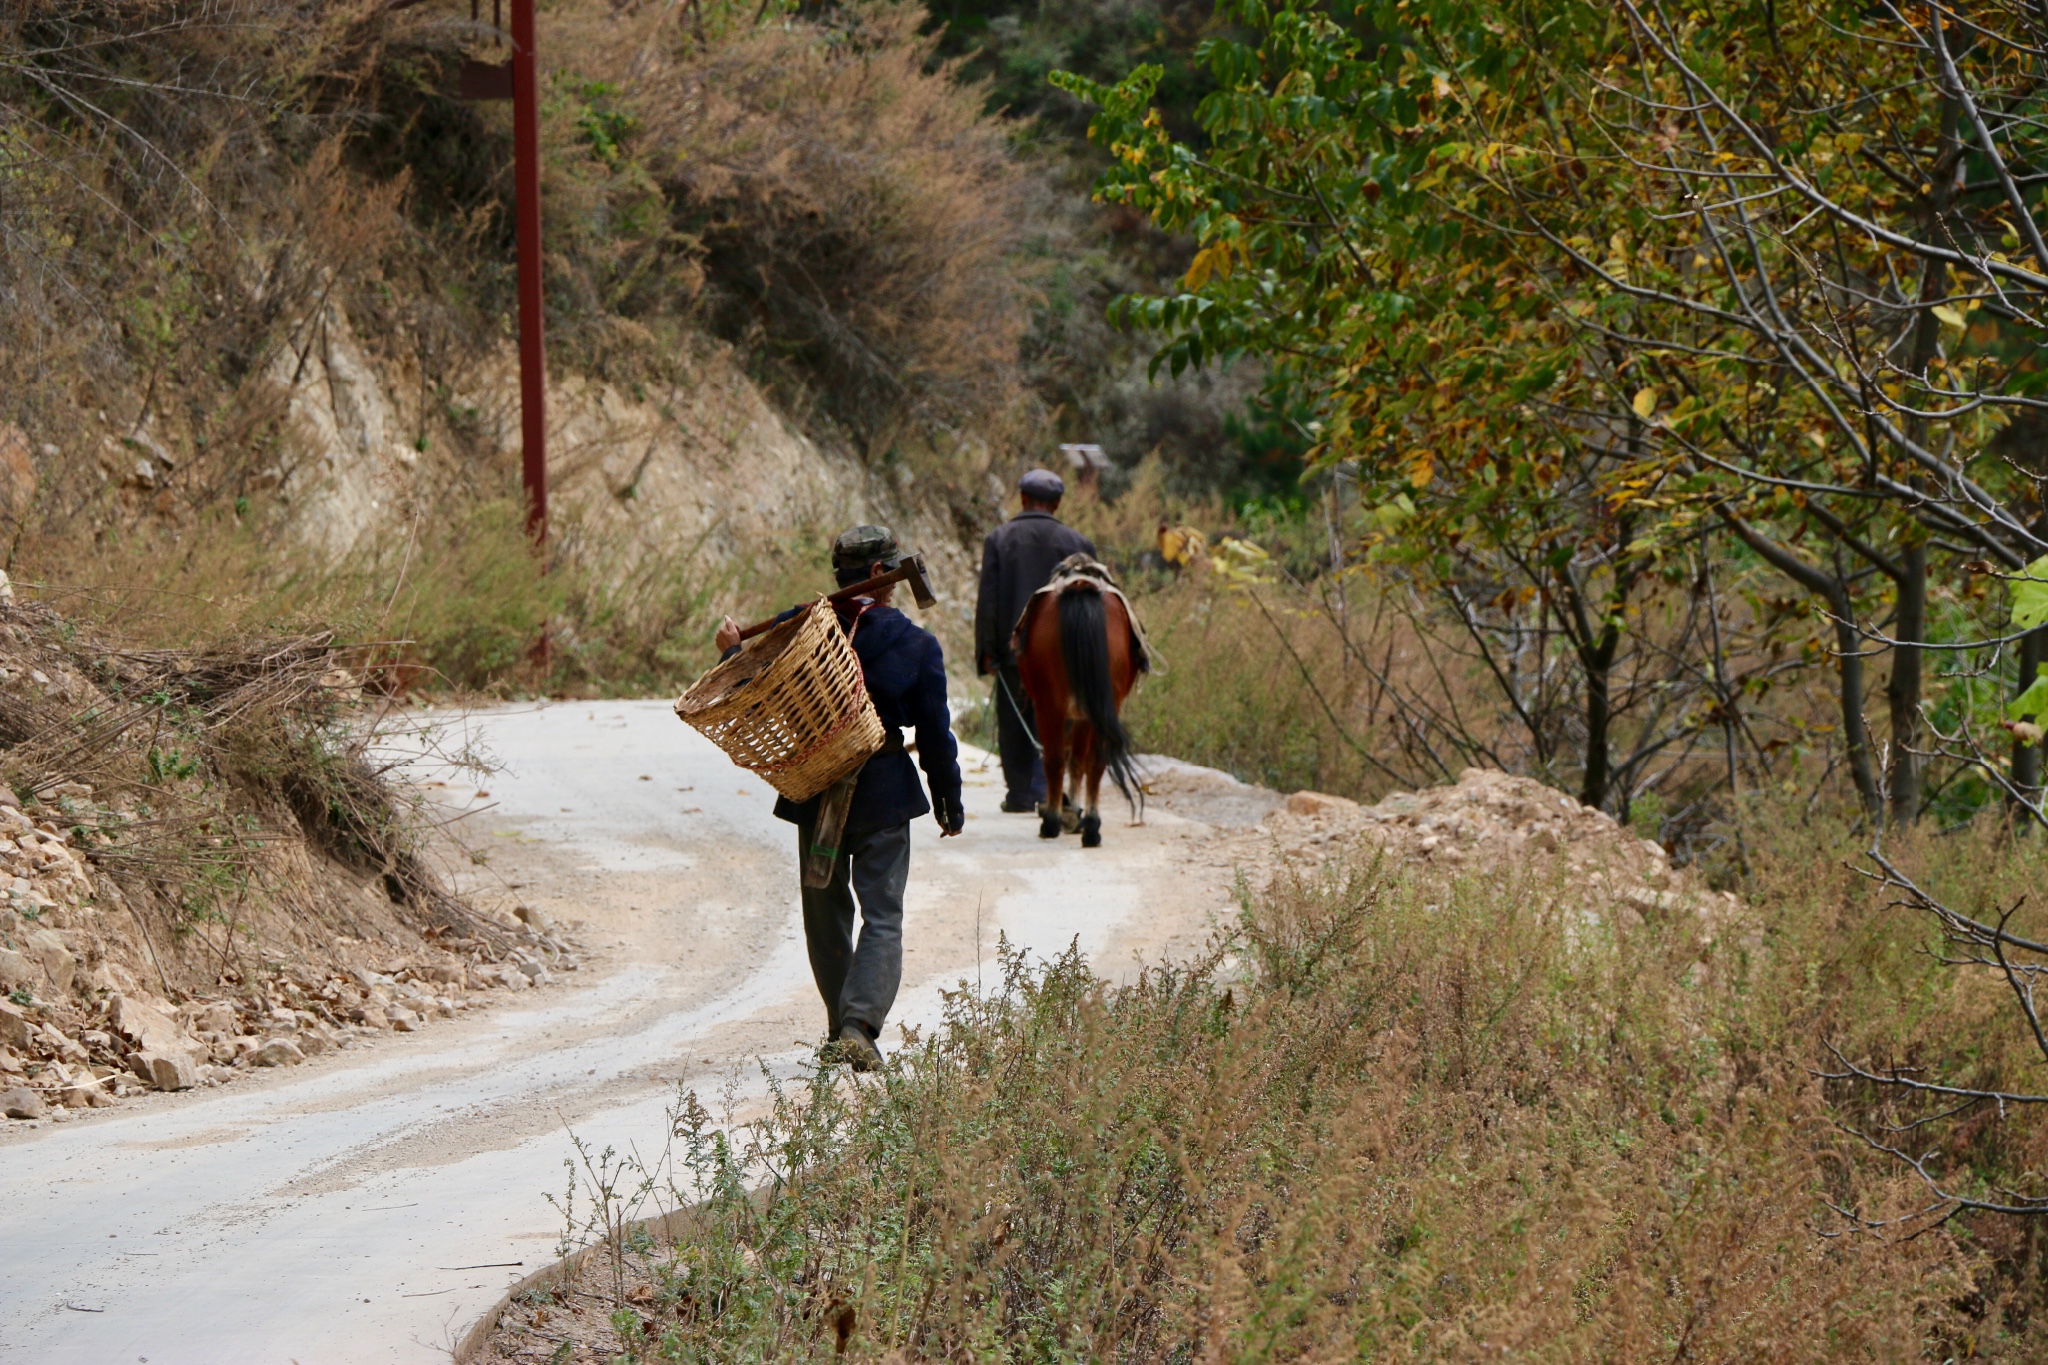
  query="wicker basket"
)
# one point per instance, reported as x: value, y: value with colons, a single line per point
x: 791, y: 707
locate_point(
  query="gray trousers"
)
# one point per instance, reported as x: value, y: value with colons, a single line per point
x: 859, y: 983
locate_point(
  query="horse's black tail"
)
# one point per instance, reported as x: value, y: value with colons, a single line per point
x: 1084, y: 645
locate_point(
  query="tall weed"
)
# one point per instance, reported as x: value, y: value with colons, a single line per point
x: 1386, y: 1119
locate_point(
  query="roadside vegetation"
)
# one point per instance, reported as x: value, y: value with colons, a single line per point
x: 1389, y: 1117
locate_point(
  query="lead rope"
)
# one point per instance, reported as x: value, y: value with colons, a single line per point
x: 1018, y: 712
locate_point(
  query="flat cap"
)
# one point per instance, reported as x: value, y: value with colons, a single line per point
x: 1042, y: 484
x: 865, y: 545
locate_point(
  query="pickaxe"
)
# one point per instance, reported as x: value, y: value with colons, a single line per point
x: 910, y: 571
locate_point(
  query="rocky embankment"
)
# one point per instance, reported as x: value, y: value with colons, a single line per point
x: 78, y: 1031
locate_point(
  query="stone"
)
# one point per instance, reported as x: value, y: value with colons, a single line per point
x: 404, y: 1020
x: 277, y: 1052
x: 15, y: 1028
x: 84, y: 1094
x: 56, y: 960
x: 534, y: 918
x: 22, y: 1103
x: 443, y: 973
x: 370, y: 1014
x: 1648, y: 902
x: 165, y: 1070
x: 313, y: 1041
x: 209, y: 1016
x: 15, y: 970
x: 1319, y: 803
x: 63, y: 1044
x: 498, y: 974
x: 10, y: 1064
x: 148, y: 1028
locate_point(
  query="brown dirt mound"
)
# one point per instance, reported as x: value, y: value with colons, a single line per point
x: 1493, y: 821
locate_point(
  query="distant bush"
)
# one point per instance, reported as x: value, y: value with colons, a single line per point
x: 856, y: 212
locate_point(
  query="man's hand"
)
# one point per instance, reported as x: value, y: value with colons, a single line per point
x: 951, y: 818
x: 728, y: 635
x: 987, y: 663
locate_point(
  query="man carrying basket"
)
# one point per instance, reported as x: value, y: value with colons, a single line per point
x: 905, y: 673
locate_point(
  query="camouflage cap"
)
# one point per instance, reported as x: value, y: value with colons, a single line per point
x: 865, y: 545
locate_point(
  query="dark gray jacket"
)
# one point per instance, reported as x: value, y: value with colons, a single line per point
x: 1017, y: 559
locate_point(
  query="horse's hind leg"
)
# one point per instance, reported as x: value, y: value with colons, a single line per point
x: 1091, y: 819
x: 1086, y: 767
x: 1052, y: 738
x: 1084, y: 745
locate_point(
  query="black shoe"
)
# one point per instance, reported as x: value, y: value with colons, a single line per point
x: 1015, y: 805
x: 855, y: 1048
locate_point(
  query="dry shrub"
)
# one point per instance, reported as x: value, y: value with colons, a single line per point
x: 215, y: 788
x: 857, y: 213
x: 1386, y: 1119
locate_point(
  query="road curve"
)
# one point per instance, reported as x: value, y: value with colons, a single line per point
x: 367, y: 1207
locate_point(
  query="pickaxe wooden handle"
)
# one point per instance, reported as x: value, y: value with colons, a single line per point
x: 910, y: 571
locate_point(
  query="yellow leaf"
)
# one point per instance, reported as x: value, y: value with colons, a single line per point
x: 1211, y: 259
x: 1645, y: 403
x: 1440, y: 87
x: 1949, y: 314
x: 1848, y: 143
x: 1423, y: 470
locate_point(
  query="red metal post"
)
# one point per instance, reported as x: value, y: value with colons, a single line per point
x: 533, y: 370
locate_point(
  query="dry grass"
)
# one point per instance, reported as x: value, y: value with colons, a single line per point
x: 209, y: 787
x: 1388, y: 1118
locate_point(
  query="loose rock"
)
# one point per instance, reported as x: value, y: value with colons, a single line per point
x: 149, y: 1029
x: 85, y: 1094
x: 56, y: 960
x: 22, y: 1103
x: 15, y: 1028
x: 277, y: 1052
x: 1319, y: 803
x: 165, y: 1070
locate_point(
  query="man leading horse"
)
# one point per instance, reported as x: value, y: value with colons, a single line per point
x: 1017, y: 560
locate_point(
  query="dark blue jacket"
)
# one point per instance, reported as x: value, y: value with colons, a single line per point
x: 906, y: 676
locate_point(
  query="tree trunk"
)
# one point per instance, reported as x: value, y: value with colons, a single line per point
x: 1903, y: 690
x: 1832, y: 589
x: 1855, y: 734
x: 1598, y: 663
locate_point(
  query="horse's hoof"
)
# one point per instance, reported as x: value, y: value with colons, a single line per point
x: 1049, y: 825
x: 1091, y: 831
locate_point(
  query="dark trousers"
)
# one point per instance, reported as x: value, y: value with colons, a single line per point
x: 1017, y: 739
x: 858, y: 982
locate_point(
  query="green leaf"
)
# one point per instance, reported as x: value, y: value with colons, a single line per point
x: 2033, y: 701
x: 2030, y: 596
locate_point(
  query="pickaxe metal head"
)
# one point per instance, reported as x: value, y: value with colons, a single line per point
x: 909, y: 570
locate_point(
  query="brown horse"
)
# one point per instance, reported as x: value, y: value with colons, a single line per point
x: 1078, y: 658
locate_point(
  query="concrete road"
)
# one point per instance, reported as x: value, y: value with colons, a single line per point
x: 371, y: 1205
